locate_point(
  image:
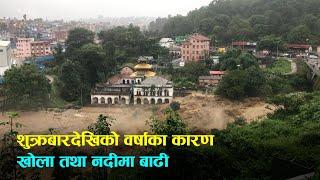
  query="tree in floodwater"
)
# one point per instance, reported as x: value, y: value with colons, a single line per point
x: 101, y: 127
x: 9, y: 150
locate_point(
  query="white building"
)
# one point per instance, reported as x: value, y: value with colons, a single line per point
x: 5, y: 56
x: 139, y: 87
x: 153, y: 90
x: 166, y: 42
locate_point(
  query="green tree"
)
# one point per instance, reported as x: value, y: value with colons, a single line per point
x: 123, y: 43
x: 247, y: 60
x: 299, y: 34
x: 271, y: 43
x: 255, y: 82
x: 25, y: 87
x: 171, y: 124
x: 233, y: 85
x: 94, y: 64
x: 59, y: 55
x: 9, y: 150
x: 102, y: 127
x: 76, y: 39
x: 70, y: 83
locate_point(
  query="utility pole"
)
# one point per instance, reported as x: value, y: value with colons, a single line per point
x: 277, y: 49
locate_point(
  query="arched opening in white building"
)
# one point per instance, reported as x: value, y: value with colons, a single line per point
x: 159, y: 101
x: 116, y: 100
x: 138, y: 101
x: 95, y: 100
x: 166, y: 101
x: 123, y: 100
x: 102, y: 100
x: 145, y: 101
x: 109, y: 100
x: 153, y: 101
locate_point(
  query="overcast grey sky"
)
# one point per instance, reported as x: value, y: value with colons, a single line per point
x: 75, y: 9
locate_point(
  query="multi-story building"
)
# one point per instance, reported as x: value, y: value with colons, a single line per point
x: 27, y: 47
x: 23, y: 48
x: 212, y: 80
x: 166, y: 42
x: 195, y: 48
x: 40, y: 48
x: 5, y: 56
x: 153, y: 90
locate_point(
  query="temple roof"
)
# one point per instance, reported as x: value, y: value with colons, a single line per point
x: 117, y: 79
x: 146, y: 74
x: 143, y: 66
x: 157, y: 81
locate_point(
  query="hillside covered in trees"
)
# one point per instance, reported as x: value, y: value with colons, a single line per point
x: 294, y: 21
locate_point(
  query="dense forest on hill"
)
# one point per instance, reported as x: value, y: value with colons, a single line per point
x: 294, y: 21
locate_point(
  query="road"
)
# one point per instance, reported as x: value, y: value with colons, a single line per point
x: 313, y: 67
x: 293, y: 67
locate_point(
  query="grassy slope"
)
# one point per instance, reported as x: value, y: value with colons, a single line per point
x: 281, y: 66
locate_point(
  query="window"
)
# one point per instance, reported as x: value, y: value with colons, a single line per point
x: 153, y: 93
x: 1, y: 50
x: 138, y: 93
x: 197, y: 46
x: 145, y: 92
x: 166, y: 93
x: 197, y: 52
x: 194, y: 46
x: 187, y: 52
x: 192, y: 52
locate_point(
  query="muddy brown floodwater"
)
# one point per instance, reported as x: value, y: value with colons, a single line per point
x: 200, y: 112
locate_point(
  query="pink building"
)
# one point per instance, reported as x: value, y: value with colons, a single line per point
x: 23, y: 49
x: 27, y: 47
x: 196, y: 47
x: 40, y: 48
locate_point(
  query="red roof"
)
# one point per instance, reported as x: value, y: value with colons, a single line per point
x: 239, y: 43
x: 243, y: 43
x: 216, y: 72
x: 298, y: 46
